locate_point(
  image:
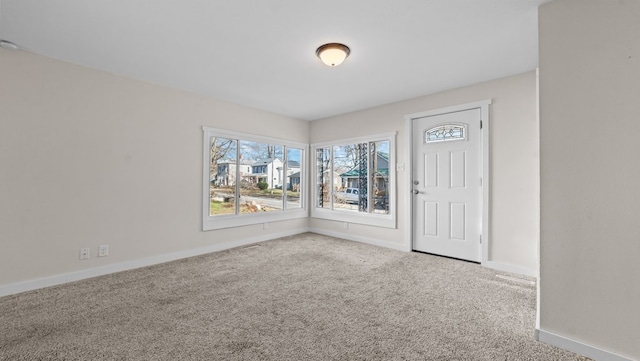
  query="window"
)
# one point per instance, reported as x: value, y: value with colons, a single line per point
x: 447, y: 132
x: 355, y: 180
x: 251, y: 179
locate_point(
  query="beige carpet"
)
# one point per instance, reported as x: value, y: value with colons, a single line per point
x: 305, y: 297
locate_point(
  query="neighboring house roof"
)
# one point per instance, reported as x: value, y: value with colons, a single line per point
x: 352, y: 173
x: 295, y: 175
x: 233, y: 162
x: 265, y: 161
x: 293, y: 164
x: 356, y: 172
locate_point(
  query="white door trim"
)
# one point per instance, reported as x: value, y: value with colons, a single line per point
x: 483, y: 105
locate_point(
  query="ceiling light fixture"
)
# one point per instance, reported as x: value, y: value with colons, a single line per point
x: 333, y: 54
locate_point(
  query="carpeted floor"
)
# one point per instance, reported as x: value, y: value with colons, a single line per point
x: 305, y: 297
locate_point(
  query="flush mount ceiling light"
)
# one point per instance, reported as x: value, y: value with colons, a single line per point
x: 333, y: 54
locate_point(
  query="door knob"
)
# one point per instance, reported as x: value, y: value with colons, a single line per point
x: 415, y: 191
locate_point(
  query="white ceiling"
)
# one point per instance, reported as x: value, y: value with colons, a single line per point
x: 261, y: 53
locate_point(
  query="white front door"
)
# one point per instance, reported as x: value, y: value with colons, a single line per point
x: 447, y: 184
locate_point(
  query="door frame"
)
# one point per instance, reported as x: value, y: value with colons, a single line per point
x: 483, y: 105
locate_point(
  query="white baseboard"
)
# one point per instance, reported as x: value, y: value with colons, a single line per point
x: 361, y: 239
x: 578, y: 347
x: 38, y: 283
x: 18, y: 287
x: 505, y: 267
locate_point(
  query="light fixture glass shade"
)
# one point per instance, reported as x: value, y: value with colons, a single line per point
x: 333, y: 54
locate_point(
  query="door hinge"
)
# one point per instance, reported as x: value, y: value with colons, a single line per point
x: 481, y: 124
x: 480, y: 239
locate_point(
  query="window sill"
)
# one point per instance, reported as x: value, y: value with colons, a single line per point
x: 369, y: 219
x: 221, y: 222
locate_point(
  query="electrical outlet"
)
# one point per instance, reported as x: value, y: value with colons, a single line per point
x: 84, y: 253
x: 103, y: 250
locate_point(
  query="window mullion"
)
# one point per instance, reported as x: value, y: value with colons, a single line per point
x: 285, y: 170
x: 331, y: 180
x: 238, y: 175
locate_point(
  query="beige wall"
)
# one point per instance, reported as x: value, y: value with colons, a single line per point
x: 514, y: 163
x: 590, y: 202
x: 89, y: 158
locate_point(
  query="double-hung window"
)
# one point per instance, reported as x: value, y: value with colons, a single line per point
x: 250, y: 179
x: 354, y: 180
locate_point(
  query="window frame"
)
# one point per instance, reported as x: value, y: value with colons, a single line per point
x: 372, y: 219
x: 237, y: 220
